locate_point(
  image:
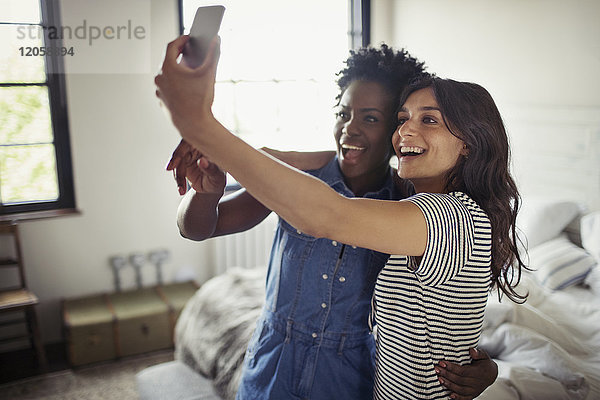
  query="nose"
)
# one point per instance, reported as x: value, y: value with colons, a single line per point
x: 350, y: 127
x: 402, y: 131
x: 405, y: 129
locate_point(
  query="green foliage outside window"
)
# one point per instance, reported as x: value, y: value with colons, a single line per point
x: 27, y: 155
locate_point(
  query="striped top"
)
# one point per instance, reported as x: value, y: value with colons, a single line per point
x: 433, y: 309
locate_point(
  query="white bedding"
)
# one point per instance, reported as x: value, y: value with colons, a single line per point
x: 547, y: 348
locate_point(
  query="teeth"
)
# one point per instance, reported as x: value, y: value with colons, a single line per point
x: 350, y: 147
x: 411, y: 149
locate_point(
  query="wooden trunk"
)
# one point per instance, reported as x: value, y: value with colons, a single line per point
x: 89, y: 330
x: 108, y: 326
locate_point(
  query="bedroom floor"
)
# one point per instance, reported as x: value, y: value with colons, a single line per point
x: 103, y: 380
x: 21, y: 364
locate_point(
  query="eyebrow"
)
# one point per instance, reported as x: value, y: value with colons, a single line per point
x: 362, y: 109
x: 426, y: 108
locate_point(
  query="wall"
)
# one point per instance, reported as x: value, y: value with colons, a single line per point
x: 539, y: 60
x: 121, y: 141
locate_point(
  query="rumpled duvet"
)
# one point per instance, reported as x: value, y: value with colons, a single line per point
x: 547, y: 348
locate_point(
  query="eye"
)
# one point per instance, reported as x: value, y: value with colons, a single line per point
x: 341, y: 114
x: 401, y: 118
x: 429, y: 120
x: 371, y: 118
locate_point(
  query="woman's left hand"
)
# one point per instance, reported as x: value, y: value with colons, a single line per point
x: 187, y: 93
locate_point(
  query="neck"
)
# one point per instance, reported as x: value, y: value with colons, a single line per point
x: 428, y: 186
x: 369, y: 182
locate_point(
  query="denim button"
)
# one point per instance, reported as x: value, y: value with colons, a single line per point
x: 342, y: 279
x: 334, y: 243
x: 298, y: 231
x: 314, y: 334
x: 325, y: 276
x: 323, y: 305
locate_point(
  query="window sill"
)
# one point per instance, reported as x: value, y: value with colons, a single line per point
x: 33, y: 215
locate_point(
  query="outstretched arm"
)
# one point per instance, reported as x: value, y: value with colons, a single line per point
x: 307, y: 203
x: 303, y: 160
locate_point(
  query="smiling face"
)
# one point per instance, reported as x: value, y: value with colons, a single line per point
x: 425, y: 147
x: 364, y: 123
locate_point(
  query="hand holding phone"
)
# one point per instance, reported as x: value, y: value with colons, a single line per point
x: 205, y: 27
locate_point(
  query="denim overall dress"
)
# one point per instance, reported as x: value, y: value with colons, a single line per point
x: 312, y: 340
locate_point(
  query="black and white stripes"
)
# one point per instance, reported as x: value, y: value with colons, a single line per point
x: 432, y: 309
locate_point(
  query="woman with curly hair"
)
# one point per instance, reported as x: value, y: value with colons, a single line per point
x: 312, y: 340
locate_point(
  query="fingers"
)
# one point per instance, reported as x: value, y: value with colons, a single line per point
x: 459, y: 397
x: 478, y: 354
x: 174, y: 49
x: 173, y: 162
x: 459, y: 392
x: 179, y: 166
x: 180, y: 174
x: 212, y: 58
x: 454, y: 376
x: 178, y: 154
x: 204, y: 164
x: 195, y: 177
x: 468, y: 381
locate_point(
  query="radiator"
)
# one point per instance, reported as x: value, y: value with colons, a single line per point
x: 247, y: 249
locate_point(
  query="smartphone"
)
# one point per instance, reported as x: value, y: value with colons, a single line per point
x: 205, y: 27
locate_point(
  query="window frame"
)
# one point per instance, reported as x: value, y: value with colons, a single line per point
x: 358, y: 36
x: 360, y: 23
x: 56, y: 85
x: 359, y: 33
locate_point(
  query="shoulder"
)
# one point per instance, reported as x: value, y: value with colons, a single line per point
x: 454, y: 202
x: 438, y: 202
x: 329, y: 171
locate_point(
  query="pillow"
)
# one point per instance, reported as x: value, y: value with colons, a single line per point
x: 558, y: 263
x: 592, y: 280
x: 541, y: 219
x: 590, y: 234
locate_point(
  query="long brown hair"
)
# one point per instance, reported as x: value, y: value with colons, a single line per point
x: 471, y: 115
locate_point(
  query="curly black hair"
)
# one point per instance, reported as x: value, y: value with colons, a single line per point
x: 386, y: 66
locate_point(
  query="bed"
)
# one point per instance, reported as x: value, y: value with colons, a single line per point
x: 547, y: 348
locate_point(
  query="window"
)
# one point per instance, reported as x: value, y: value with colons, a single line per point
x: 35, y: 162
x: 276, y: 78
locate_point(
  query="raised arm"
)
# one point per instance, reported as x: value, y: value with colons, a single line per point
x: 307, y: 203
x: 204, y: 212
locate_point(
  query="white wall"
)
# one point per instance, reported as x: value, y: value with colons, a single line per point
x: 121, y: 142
x: 538, y: 58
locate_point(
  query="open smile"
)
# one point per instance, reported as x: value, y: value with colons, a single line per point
x: 411, y: 151
x: 351, y: 151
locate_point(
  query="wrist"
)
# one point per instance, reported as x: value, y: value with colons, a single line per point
x: 200, y: 130
x: 208, y: 196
